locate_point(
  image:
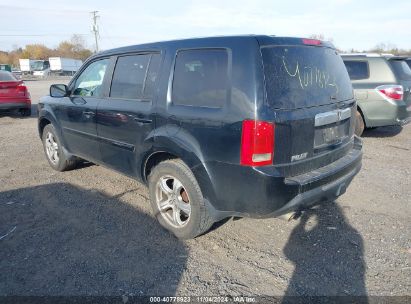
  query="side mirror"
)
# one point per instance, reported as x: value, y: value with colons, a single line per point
x: 59, y: 90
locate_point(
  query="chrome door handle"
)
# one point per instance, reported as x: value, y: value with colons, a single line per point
x: 142, y: 120
x: 89, y: 113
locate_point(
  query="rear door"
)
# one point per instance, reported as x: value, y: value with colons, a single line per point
x: 309, y: 90
x: 125, y: 118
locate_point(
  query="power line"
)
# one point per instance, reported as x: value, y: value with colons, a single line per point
x: 41, y: 9
x: 39, y: 35
x: 95, y: 27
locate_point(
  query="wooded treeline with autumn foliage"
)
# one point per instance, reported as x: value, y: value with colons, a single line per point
x: 73, y: 48
x: 380, y: 48
x: 76, y: 48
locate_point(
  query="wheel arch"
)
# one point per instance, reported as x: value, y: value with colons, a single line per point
x: 46, y: 118
x: 182, y: 146
x: 153, y: 160
x: 43, y: 122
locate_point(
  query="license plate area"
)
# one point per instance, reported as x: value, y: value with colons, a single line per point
x: 331, y: 128
x: 4, y: 91
x: 331, y: 134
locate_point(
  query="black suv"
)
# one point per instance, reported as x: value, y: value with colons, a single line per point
x: 254, y: 126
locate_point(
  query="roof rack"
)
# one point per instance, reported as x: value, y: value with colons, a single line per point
x: 369, y: 54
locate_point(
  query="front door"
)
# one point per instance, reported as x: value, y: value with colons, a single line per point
x: 77, y: 113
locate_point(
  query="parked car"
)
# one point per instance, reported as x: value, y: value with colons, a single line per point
x: 382, y: 86
x: 14, y: 94
x: 254, y: 126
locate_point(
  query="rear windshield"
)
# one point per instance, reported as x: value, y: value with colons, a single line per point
x: 401, y: 69
x: 304, y: 76
x: 7, y: 76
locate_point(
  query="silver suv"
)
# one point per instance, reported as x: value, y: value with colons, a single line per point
x: 381, y: 86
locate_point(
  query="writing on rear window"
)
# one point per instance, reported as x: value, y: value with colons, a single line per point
x: 304, y: 76
x: 309, y: 75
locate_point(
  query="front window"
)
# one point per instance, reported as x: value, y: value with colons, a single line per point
x: 90, y: 81
x: 39, y: 65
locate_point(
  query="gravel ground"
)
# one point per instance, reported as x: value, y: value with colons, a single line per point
x: 90, y: 232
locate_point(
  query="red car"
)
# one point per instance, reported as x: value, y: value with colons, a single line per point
x: 14, y: 94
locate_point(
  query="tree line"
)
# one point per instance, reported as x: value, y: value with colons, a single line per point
x: 380, y: 48
x: 76, y: 48
x: 73, y: 48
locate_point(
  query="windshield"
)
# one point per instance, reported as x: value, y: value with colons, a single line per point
x: 304, y: 76
x: 7, y: 76
x: 39, y: 65
x: 401, y: 69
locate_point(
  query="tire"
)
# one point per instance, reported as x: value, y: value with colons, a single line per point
x: 359, y: 124
x: 25, y: 112
x: 59, y: 161
x: 183, y: 194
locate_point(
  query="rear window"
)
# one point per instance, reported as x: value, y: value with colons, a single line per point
x: 408, y: 61
x: 357, y: 69
x: 201, y: 78
x: 401, y: 69
x: 304, y: 76
x: 7, y: 76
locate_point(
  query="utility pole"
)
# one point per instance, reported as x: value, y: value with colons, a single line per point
x: 94, y: 28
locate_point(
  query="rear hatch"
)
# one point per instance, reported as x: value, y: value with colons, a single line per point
x: 10, y: 87
x: 309, y: 90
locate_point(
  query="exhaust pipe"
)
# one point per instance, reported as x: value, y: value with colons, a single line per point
x: 294, y: 215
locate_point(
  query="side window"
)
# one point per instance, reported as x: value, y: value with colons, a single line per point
x: 401, y: 69
x: 134, y: 76
x: 201, y: 78
x: 152, y: 75
x: 357, y: 69
x: 90, y: 81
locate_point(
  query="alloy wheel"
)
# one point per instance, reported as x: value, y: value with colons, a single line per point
x: 173, y: 201
x: 52, y: 148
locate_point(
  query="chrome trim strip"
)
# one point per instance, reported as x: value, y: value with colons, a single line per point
x: 327, y: 118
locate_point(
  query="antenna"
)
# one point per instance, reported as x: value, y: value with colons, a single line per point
x: 94, y: 28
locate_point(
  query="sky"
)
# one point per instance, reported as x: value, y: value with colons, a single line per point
x: 351, y: 24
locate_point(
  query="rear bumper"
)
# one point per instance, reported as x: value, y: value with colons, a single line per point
x: 15, y: 105
x: 405, y: 121
x: 383, y: 113
x: 262, y: 192
x: 339, y: 178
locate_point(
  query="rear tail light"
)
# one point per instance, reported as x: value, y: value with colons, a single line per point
x: 391, y: 92
x: 257, y: 143
x: 311, y: 41
x: 22, y: 90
